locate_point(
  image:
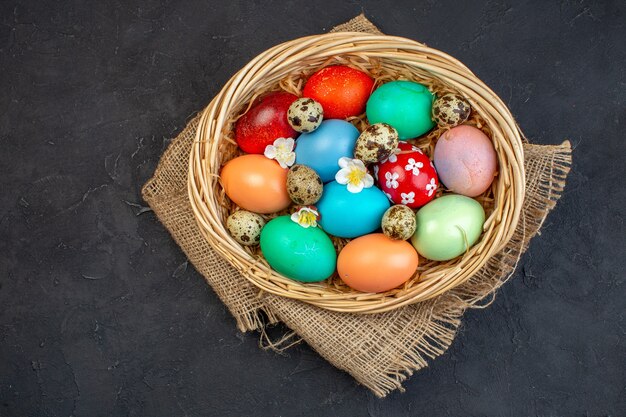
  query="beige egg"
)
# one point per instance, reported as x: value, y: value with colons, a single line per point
x: 376, y: 143
x: 304, y: 185
x: 245, y: 227
x: 399, y: 222
x: 305, y: 115
x: 451, y: 110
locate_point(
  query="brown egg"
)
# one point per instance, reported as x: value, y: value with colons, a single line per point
x: 305, y: 115
x: 304, y: 185
x: 376, y: 143
x: 451, y: 110
x: 398, y: 222
x: 245, y: 227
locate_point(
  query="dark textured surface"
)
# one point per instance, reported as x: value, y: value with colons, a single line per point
x: 101, y: 315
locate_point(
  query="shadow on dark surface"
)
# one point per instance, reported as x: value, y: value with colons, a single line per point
x: 100, y: 313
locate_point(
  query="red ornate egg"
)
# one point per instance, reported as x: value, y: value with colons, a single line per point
x: 408, y: 177
x: 265, y: 122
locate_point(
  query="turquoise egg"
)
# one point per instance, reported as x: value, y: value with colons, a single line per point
x: 346, y: 214
x: 322, y: 148
x: 405, y: 105
x: 302, y: 254
x: 447, y: 227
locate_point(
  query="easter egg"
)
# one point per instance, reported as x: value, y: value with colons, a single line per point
x: 405, y: 105
x: 398, y: 222
x: 447, y: 227
x: 245, y: 227
x: 305, y: 115
x: 342, y: 91
x: 376, y: 263
x: 466, y: 160
x: 451, y: 110
x: 322, y: 148
x: 346, y: 214
x: 376, y: 143
x: 408, y: 177
x: 304, y: 185
x: 265, y: 122
x: 256, y: 183
x: 303, y: 254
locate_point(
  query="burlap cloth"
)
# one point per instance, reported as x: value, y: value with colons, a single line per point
x: 380, y: 351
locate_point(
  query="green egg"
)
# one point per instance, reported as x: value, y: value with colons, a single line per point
x: 405, y: 105
x: 302, y: 254
x: 446, y: 226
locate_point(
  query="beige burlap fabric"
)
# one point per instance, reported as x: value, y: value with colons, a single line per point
x: 380, y: 350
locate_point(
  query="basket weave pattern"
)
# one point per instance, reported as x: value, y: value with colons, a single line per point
x: 287, y: 65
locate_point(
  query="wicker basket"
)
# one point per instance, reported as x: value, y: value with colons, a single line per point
x: 287, y: 66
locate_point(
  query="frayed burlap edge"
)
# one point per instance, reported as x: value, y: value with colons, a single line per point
x: 358, y: 24
x: 379, y: 350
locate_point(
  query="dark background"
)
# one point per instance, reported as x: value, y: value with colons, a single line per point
x: 101, y: 315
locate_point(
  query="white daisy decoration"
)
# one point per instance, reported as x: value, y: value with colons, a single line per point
x: 282, y: 152
x: 431, y: 187
x: 413, y: 165
x: 305, y: 217
x: 392, y: 179
x: 354, y: 174
x: 408, y: 198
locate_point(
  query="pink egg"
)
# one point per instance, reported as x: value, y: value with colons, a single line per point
x: 466, y: 160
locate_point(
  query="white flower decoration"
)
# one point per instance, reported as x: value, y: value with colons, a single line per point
x: 282, y: 152
x: 431, y: 187
x: 305, y: 217
x: 408, y: 198
x: 414, y: 166
x: 392, y: 179
x: 416, y: 149
x: 353, y: 173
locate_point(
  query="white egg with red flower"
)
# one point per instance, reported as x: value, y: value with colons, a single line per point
x: 408, y: 177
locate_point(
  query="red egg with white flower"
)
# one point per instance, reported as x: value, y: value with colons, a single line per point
x: 408, y: 177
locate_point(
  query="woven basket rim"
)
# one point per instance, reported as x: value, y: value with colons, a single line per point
x: 204, y: 165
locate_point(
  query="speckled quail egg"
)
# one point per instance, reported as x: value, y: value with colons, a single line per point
x: 305, y: 115
x: 376, y: 143
x: 304, y: 186
x: 451, y: 110
x: 399, y: 222
x: 245, y: 227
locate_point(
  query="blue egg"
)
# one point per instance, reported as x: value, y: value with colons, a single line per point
x: 322, y: 148
x: 346, y: 214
